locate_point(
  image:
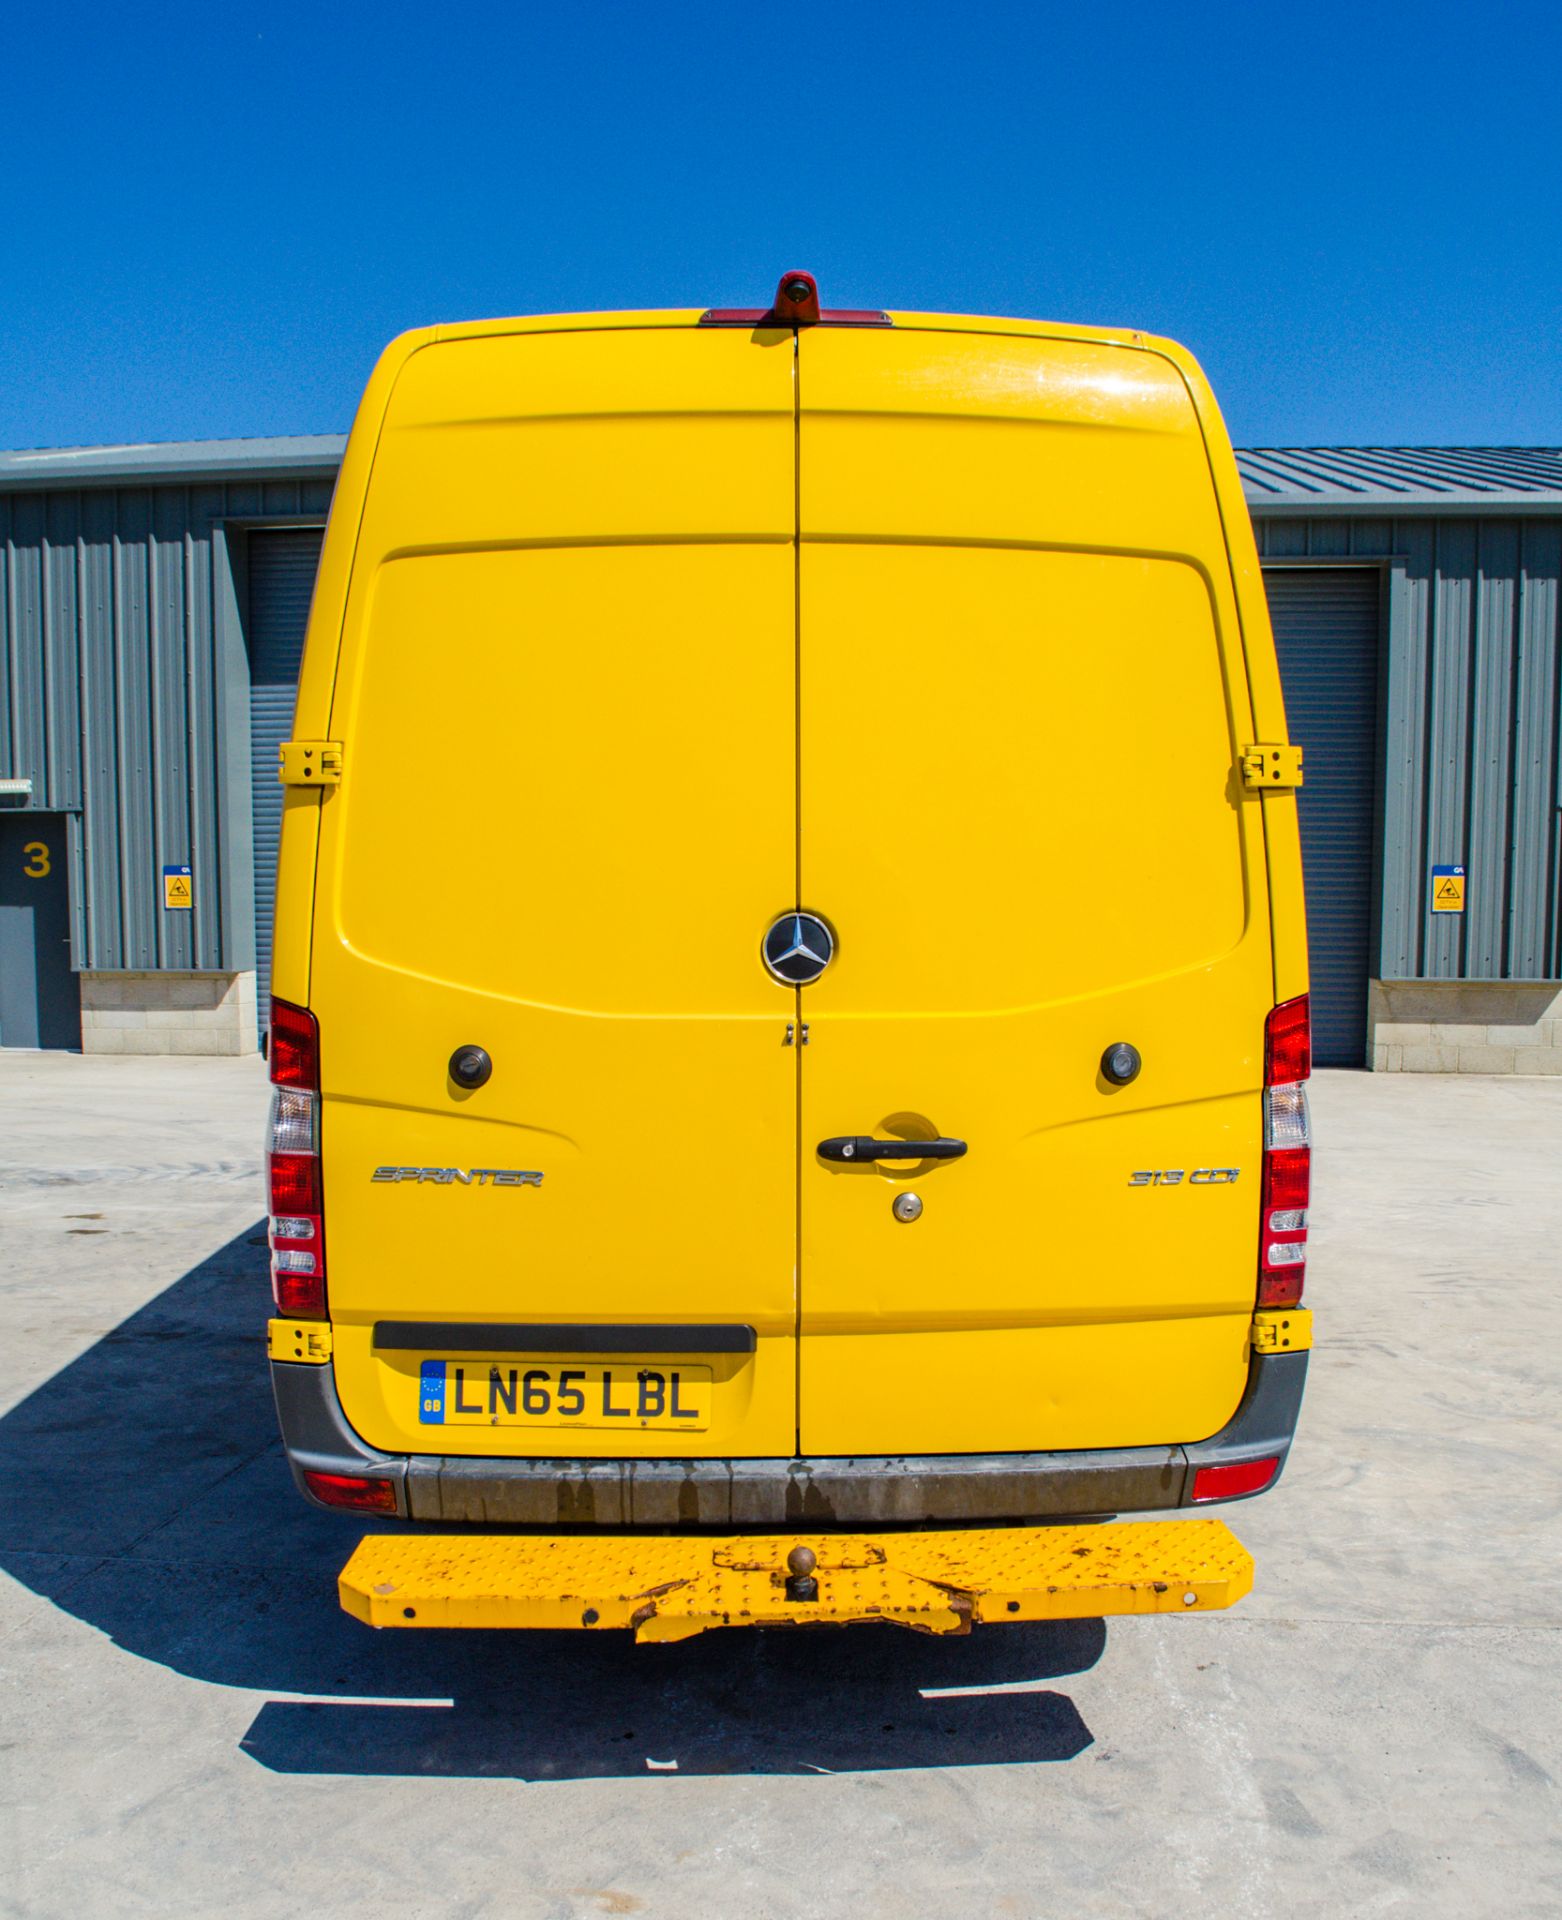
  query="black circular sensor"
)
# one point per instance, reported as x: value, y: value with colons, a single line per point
x: 1121, y: 1063
x: 798, y: 948
x: 470, y: 1066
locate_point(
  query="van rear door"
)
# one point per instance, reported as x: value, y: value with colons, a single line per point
x: 565, y: 696
x: 1021, y: 700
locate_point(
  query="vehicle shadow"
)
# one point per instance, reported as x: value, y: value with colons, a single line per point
x: 143, y: 1491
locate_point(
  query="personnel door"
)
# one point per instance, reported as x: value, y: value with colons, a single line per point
x: 40, y: 997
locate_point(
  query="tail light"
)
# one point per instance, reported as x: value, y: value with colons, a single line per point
x: 1282, y: 1246
x: 293, y: 1185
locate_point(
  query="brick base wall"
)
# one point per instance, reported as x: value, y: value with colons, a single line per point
x: 1465, y: 1026
x: 168, y: 1013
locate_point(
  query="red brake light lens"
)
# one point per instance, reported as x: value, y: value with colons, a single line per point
x: 295, y: 1183
x: 295, y: 1047
x: 1230, y: 1482
x: 355, y: 1492
x: 1288, y: 1047
x: 1288, y: 1176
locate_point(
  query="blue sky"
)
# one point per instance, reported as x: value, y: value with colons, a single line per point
x: 215, y: 216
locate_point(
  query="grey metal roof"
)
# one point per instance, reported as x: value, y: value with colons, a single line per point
x: 1401, y: 479
x: 1276, y: 480
x: 176, y: 460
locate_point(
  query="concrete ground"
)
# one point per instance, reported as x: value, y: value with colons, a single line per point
x: 189, y: 1726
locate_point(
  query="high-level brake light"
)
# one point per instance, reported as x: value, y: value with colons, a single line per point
x: 1282, y: 1246
x: 293, y: 1184
x: 796, y: 305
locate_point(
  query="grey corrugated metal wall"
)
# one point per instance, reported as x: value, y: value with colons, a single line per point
x: 1326, y: 634
x: 115, y: 701
x: 1471, y: 735
x: 282, y: 569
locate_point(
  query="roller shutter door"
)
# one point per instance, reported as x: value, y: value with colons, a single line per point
x: 1326, y: 631
x: 282, y: 570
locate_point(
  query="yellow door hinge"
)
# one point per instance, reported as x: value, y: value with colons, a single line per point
x: 1272, y: 766
x: 1288, y: 1332
x: 309, y: 763
x: 308, y: 1341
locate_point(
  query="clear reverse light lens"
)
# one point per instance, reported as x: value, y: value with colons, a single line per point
x: 1282, y: 1253
x: 293, y: 1121
x: 286, y: 1260
x: 286, y: 1228
x: 1282, y: 1220
x: 1285, y: 1117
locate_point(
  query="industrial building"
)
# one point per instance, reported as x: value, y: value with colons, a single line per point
x: 152, y: 610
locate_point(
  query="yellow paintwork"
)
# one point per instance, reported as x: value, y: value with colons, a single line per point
x: 583, y: 893
x: 979, y: 533
x: 1287, y: 1330
x: 634, y: 634
x: 303, y: 1341
x: 669, y: 1588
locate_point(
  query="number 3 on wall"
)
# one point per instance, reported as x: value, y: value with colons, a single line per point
x: 37, y: 860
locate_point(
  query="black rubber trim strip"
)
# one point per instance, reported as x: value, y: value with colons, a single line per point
x: 472, y: 1336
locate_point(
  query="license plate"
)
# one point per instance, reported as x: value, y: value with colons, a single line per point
x: 629, y: 1394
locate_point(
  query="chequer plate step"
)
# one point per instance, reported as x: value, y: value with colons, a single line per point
x: 667, y: 1587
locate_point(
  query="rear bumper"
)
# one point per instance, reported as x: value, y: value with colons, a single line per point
x: 907, y: 1491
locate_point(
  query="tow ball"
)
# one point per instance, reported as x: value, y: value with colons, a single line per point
x: 800, y: 1581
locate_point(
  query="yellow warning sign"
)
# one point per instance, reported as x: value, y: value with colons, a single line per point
x: 177, y: 889
x: 1448, y: 889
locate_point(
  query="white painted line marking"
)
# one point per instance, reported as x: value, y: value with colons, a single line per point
x: 971, y: 1693
x: 340, y: 1699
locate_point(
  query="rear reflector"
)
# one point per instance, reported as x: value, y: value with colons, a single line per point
x: 1229, y: 1483
x: 356, y: 1492
x: 294, y: 1195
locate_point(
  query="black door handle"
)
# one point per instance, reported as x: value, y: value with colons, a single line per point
x: 862, y: 1146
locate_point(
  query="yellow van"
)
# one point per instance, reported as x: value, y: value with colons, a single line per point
x: 789, y: 1018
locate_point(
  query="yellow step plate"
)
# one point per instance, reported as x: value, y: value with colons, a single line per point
x: 669, y: 1587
